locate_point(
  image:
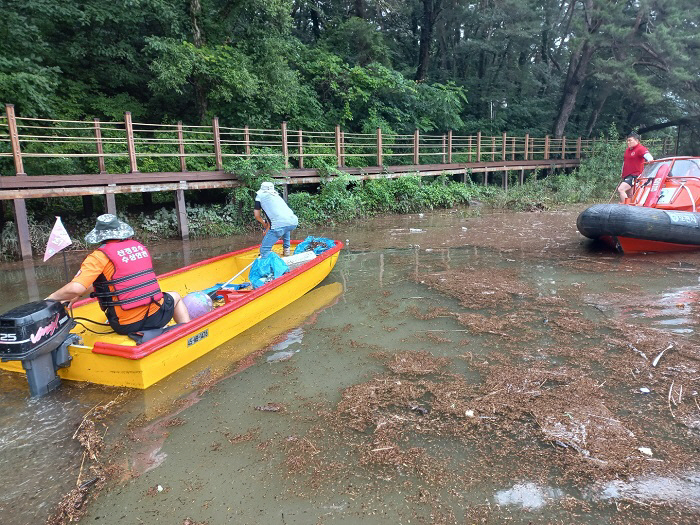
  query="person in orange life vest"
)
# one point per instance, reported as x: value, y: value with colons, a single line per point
x: 120, y: 274
x: 632, y: 165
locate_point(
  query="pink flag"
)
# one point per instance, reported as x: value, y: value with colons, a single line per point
x: 58, y: 240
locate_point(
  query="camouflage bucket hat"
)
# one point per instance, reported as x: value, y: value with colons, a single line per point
x: 109, y: 227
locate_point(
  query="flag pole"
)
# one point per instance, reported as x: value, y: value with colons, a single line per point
x: 65, y: 266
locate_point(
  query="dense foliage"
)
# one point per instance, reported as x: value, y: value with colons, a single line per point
x: 539, y: 66
x: 561, y: 67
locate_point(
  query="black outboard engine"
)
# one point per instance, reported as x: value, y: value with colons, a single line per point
x: 38, y: 334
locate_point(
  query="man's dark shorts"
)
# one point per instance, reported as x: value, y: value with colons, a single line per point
x: 630, y: 179
x: 157, y: 320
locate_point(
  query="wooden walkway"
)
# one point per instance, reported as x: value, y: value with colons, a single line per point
x: 112, y: 151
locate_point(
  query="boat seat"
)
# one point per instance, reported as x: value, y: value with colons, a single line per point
x: 146, y: 335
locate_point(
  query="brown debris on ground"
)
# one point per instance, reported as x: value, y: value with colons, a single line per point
x: 242, y: 438
x: 414, y: 363
x: 588, y: 427
x: 475, y: 288
x: 91, y: 480
x: 271, y: 407
x: 433, y: 313
x: 567, y: 398
x: 174, y: 422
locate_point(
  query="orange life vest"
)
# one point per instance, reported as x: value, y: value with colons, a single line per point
x: 133, y: 283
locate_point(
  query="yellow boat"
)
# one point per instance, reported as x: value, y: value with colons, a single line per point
x: 116, y: 360
x: 230, y: 357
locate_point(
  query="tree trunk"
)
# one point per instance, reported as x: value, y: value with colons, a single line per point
x: 430, y: 10
x: 360, y: 8
x: 200, y: 96
x: 593, y: 119
x: 578, y: 66
x: 195, y: 14
x: 200, y: 92
x: 315, y: 21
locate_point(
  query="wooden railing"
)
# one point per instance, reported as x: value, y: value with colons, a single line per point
x: 120, y: 147
x: 105, y: 158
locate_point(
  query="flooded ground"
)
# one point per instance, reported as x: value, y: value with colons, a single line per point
x: 456, y: 367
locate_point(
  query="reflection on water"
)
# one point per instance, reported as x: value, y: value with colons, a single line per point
x: 279, y: 351
x: 684, y: 490
x: 527, y: 495
x: 226, y: 461
x: 39, y: 459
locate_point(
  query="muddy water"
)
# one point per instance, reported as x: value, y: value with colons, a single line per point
x: 456, y: 367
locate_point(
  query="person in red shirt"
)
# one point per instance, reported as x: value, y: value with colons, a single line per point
x: 633, y: 165
x: 120, y: 274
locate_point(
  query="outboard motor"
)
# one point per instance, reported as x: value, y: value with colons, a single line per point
x: 38, y: 334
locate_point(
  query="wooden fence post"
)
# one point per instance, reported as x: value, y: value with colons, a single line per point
x: 444, y: 148
x: 512, y: 148
x: 478, y: 146
x: 493, y: 149
x: 100, y: 151
x: 246, y: 140
x: 285, y: 145
x: 217, y: 144
x: 449, y: 147
x: 181, y: 212
x: 469, y: 148
x: 527, y: 145
x: 578, y: 147
x: 337, y: 146
x: 546, y: 147
x: 416, y: 147
x: 342, y: 148
x: 503, y: 157
x: 301, y: 149
x: 128, y: 125
x: 14, y: 139
x: 21, y: 221
x: 380, y: 153
x: 181, y: 146
x: 180, y: 205
x: 110, y: 202
x: 563, y: 147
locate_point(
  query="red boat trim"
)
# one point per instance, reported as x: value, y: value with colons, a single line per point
x: 631, y: 245
x: 180, y: 331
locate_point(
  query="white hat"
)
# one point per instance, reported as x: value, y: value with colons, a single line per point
x: 267, y: 187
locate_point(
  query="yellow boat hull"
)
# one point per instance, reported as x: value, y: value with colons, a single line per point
x: 115, y: 360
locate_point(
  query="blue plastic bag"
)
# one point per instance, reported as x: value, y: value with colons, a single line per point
x: 321, y: 244
x: 265, y: 269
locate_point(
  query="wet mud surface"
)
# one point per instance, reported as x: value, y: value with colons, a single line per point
x: 477, y: 368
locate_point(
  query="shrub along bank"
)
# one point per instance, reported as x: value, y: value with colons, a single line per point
x: 338, y: 199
